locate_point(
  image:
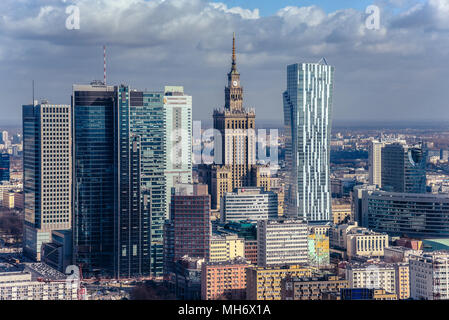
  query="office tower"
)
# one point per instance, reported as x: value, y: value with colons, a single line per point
x: 234, y: 139
x: 93, y: 178
x: 224, y: 280
x: 178, y: 133
x: 282, y: 242
x: 47, y: 173
x: 140, y: 181
x: 5, y: 164
x: 416, y: 215
x: 190, y: 212
x: 429, y: 276
x: 307, y: 119
x: 249, y: 203
x: 264, y: 283
x: 375, y: 162
x: 404, y: 168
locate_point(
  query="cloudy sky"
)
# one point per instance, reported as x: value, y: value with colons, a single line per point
x: 397, y: 72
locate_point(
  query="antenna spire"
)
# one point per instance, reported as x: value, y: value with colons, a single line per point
x: 234, y: 64
x: 104, y: 64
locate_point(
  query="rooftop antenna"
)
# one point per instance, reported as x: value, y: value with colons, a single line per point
x: 33, y: 93
x: 104, y: 64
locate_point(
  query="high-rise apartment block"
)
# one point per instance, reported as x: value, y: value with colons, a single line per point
x: 226, y: 248
x: 307, y: 119
x: 47, y: 167
x: 282, y: 242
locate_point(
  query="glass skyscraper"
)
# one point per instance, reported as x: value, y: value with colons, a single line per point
x: 307, y: 119
x: 141, y: 195
x: 93, y: 178
x: 4, y: 167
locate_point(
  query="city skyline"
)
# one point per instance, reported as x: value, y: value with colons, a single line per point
x: 180, y: 51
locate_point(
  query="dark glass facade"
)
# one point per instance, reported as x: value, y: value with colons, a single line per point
x: 4, y: 166
x: 93, y: 179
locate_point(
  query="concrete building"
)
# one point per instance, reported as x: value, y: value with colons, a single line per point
x: 429, y: 276
x: 392, y: 277
x: 282, y: 242
x: 21, y: 286
x: 47, y: 173
x: 224, y: 280
x: 264, y: 283
x: 178, y: 143
x: 307, y: 119
x: 8, y: 199
x: 365, y: 243
x: 248, y: 203
x: 415, y: 215
x: 293, y: 288
x: 226, y: 248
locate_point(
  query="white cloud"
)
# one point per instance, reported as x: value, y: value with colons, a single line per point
x: 152, y: 43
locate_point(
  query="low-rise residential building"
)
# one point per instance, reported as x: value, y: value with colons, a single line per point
x: 293, y: 288
x: 21, y: 286
x: 224, y: 280
x: 264, y: 283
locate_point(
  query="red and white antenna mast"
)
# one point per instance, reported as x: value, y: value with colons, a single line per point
x: 104, y: 64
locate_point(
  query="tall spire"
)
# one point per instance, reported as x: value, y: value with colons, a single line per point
x: 234, y: 65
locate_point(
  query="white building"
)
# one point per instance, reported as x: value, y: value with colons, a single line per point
x: 20, y: 286
x: 429, y: 276
x: 249, y: 203
x: 282, y: 242
x: 178, y: 132
x: 372, y: 276
x: 307, y: 119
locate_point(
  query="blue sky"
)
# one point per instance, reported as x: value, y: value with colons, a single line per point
x: 268, y: 7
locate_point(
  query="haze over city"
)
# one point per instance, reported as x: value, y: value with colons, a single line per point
x: 396, y: 72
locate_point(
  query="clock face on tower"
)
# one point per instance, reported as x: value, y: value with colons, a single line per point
x: 235, y: 83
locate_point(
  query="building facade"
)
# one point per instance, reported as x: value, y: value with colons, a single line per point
x: 264, y: 283
x: 248, y: 203
x: 224, y: 280
x: 307, y: 119
x: 282, y: 242
x: 190, y: 212
x: 178, y: 133
x: 47, y: 173
x: 404, y: 168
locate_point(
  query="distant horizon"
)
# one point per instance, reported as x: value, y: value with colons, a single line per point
x: 336, y: 124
